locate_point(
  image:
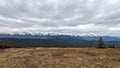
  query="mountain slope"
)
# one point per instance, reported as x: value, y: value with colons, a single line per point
x: 49, y: 40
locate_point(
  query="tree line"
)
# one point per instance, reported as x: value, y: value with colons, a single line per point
x: 101, y: 44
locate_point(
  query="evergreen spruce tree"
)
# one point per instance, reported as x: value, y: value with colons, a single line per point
x: 90, y: 45
x: 101, y: 43
x: 113, y: 45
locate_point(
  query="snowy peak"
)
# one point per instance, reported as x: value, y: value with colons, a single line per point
x: 52, y: 34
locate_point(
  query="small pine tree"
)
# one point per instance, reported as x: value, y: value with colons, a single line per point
x: 101, y: 43
x: 113, y: 46
x: 78, y: 46
x: 90, y: 45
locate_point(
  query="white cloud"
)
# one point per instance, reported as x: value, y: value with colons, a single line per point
x: 11, y: 19
x: 38, y: 19
x: 73, y: 17
x: 81, y: 16
x: 114, y: 29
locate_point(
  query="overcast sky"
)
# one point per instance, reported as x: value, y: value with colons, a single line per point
x: 101, y: 17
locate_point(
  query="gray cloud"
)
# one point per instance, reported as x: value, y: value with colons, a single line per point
x: 79, y: 16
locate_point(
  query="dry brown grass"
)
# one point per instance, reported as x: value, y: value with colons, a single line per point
x: 59, y: 58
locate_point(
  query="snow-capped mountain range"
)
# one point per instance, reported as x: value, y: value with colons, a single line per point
x: 50, y: 35
x: 55, y: 39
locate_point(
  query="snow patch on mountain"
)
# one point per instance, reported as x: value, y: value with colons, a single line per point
x: 53, y: 34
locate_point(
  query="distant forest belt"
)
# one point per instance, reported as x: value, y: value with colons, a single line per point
x: 13, y: 42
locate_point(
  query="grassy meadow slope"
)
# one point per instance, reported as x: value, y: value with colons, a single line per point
x: 59, y: 58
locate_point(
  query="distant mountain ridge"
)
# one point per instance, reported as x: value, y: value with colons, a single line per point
x: 55, y: 40
x: 63, y: 36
